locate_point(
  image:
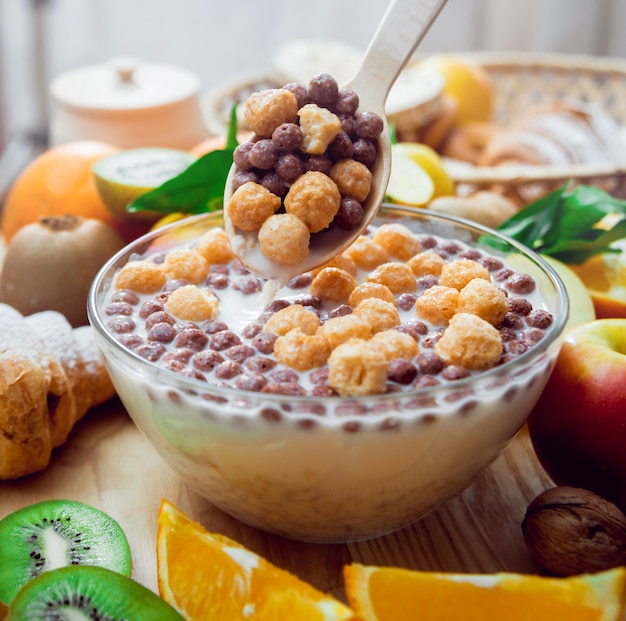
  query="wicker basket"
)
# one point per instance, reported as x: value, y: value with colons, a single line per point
x: 524, y: 80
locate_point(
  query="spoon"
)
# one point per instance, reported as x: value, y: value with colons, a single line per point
x: 402, y: 28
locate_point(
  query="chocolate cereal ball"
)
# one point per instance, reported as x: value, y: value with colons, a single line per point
x: 284, y: 239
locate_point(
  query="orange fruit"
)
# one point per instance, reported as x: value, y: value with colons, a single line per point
x: 604, y: 276
x: 394, y: 594
x: 214, y: 143
x: 60, y: 181
x: 209, y: 577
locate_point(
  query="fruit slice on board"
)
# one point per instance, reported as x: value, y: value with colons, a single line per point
x: 208, y: 577
x: 394, y: 594
x: 84, y: 592
x: 122, y: 177
x: 55, y: 533
x: 604, y: 276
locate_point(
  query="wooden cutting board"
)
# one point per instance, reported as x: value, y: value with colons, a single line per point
x: 108, y: 464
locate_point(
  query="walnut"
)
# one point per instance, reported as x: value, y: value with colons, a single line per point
x: 570, y: 531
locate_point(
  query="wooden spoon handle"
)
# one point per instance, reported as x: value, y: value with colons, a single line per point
x: 403, y: 26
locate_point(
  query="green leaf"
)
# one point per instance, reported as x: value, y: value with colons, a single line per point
x: 565, y: 223
x: 197, y: 189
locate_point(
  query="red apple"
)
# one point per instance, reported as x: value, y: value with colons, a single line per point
x: 578, y: 427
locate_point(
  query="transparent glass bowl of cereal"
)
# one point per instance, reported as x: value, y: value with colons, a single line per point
x: 349, y: 403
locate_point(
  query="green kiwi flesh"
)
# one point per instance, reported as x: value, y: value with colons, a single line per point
x: 55, y: 533
x: 83, y: 592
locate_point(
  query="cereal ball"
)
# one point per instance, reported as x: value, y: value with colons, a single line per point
x: 371, y: 290
x: 459, y: 272
x: 398, y: 240
x: 315, y: 199
x: 284, y: 239
x: 366, y: 253
x: 398, y: 277
x: 470, y: 342
x: 290, y: 317
x: 437, y: 304
x: 214, y: 246
x: 190, y: 303
x: 141, y: 276
x: 301, y: 351
x: 357, y: 368
x: 379, y: 314
x: 319, y: 127
x: 341, y: 329
x: 396, y: 344
x: 426, y: 263
x: 333, y: 284
x: 484, y: 299
x: 342, y: 261
x: 266, y: 110
x: 187, y: 265
x: 250, y: 205
x: 352, y: 178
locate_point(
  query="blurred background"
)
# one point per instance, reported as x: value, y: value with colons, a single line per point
x: 217, y: 40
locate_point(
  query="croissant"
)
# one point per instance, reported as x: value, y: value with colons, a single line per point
x: 51, y: 375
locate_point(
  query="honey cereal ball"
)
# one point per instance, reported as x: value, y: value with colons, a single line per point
x: 250, y: 205
x: 265, y: 110
x: 371, y: 290
x: 396, y: 344
x: 482, y: 298
x: 380, y: 315
x: 319, y: 128
x: 333, y: 284
x: 426, y: 263
x: 284, y: 239
x: 366, y: 253
x: 290, y: 317
x: 191, y: 303
x: 459, y: 272
x: 314, y: 198
x: 301, y: 351
x: 185, y: 264
x: 398, y: 277
x: 398, y: 240
x: 437, y: 304
x: 214, y: 246
x: 470, y: 342
x: 338, y: 330
x: 357, y: 368
x: 342, y: 261
x: 352, y: 178
x: 141, y: 276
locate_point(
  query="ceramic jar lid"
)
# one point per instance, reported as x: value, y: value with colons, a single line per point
x: 124, y: 84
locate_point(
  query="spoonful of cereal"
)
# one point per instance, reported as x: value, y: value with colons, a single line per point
x: 316, y: 170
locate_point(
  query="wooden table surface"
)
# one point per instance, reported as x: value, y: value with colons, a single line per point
x: 107, y: 463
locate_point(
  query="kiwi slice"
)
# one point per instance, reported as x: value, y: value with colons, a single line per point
x: 84, y: 592
x: 122, y: 177
x: 55, y: 533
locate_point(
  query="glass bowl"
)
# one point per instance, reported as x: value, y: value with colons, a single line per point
x: 332, y: 469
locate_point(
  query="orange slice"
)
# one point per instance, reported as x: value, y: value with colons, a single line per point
x: 394, y: 594
x: 604, y: 275
x: 209, y: 577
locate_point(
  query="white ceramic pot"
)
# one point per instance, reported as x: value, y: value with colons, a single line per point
x: 128, y: 103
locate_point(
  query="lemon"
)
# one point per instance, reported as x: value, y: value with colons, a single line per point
x: 581, y: 308
x: 468, y: 83
x: 432, y: 163
x: 124, y: 176
x: 409, y: 183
